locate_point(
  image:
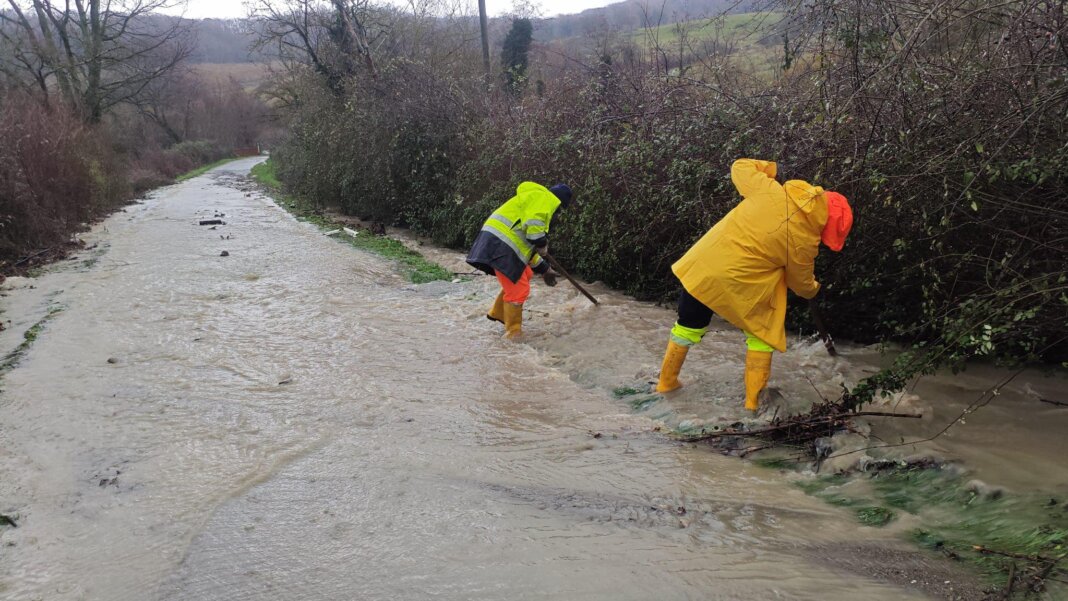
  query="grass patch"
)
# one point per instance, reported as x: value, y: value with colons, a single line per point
x: 28, y: 338
x: 913, y: 490
x: 203, y: 169
x: 875, y: 516
x: 955, y: 516
x: 417, y: 268
x: 265, y: 174
x: 626, y: 391
x: 643, y: 402
x: 818, y: 486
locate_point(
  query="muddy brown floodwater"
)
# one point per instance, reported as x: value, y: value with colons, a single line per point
x: 296, y: 421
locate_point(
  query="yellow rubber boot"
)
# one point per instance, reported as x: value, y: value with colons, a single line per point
x: 513, y: 320
x: 757, y: 372
x: 497, y: 312
x: 674, y: 357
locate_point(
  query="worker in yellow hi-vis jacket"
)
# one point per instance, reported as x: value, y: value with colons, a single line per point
x: 742, y: 267
x: 512, y: 245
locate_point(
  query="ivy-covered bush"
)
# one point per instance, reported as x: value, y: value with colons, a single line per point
x: 955, y: 162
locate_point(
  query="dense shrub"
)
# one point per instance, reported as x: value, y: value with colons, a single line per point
x: 200, y: 152
x: 55, y: 174
x: 154, y: 166
x: 59, y: 172
x: 955, y: 158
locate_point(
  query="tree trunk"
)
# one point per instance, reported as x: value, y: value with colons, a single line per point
x: 484, y: 28
x: 94, y: 56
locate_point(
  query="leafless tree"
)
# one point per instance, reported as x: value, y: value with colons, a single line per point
x: 99, y: 53
x: 169, y: 102
x: 330, y: 38
x: 20, y: 67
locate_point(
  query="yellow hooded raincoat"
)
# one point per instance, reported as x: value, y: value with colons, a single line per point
x: 742, y: 267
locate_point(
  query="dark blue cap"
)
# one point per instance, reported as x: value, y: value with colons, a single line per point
x: 563, y: 192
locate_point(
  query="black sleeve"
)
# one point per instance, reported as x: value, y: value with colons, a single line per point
x: 541, y: 268
x: 540, y: 242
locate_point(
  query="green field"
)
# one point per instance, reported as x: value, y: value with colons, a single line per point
x: 744, y: 30
x: 749, y: 40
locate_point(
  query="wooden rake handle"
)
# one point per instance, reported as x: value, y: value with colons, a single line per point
x: 556, y: 266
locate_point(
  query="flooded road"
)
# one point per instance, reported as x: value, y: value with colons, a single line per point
x: 296, y: 421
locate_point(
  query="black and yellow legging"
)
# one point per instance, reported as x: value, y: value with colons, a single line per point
x: 694, y: 318
x: 690, y: 328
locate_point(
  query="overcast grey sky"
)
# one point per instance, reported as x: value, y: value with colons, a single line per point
x: 223, y: 9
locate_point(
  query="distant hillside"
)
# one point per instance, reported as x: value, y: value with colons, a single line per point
x: 229, y: 41
x: 746, y: 30
x: 247, y: 75
x: 636, y: 14
x: 222, y: 41
x: 753, y: 40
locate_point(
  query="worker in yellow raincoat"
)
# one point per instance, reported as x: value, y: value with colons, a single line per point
x: 513, y: 245
x: 742, y: 267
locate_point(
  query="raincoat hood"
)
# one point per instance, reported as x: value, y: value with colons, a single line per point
x: 809, y: 201
x: 533, y: 192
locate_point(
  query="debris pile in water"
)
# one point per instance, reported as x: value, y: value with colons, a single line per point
x: 803, y: 431
x: 1031, y: 578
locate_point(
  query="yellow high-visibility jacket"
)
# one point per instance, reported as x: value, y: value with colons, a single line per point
x: 508, y: 238
x: 742, y: 267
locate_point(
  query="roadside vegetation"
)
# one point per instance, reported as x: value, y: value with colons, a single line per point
x: 946, y: 131
x: 97, y: 106
x: 412, y: 264
x: 1008, y: 537
x: 9, y: 361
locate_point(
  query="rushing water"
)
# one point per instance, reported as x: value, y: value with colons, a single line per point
x: 296, y: 421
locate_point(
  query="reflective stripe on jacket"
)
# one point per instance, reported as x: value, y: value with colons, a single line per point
x: 742, y: 267
x: 508, y: 238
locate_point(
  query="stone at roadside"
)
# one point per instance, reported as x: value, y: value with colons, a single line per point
x: 984, y: 490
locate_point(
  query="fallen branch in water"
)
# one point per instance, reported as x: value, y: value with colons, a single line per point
x: 1012, y: 582
x: 985, y: 550
x: 33, y: 256
x: 1034, y: 574
x: 823, y: 420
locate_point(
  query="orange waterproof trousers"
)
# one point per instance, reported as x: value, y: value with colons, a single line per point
x: 516, y: 293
